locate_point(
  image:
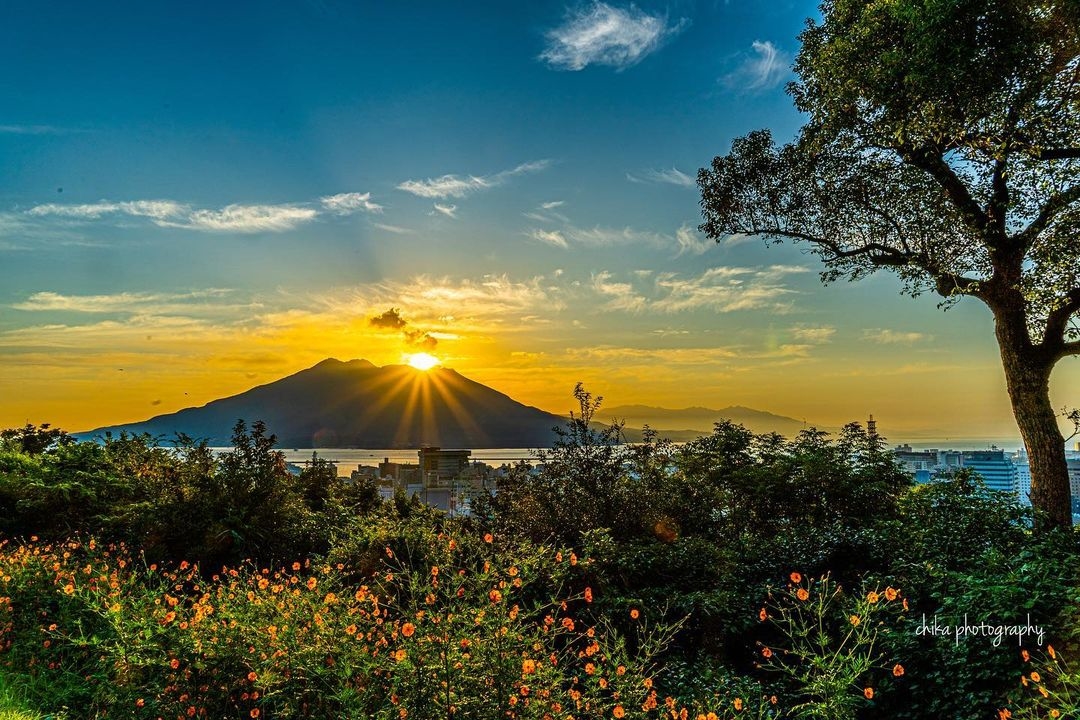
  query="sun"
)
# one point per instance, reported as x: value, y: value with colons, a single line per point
x: 423, y: 361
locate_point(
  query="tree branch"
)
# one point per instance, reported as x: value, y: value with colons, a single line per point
x: 1058, y: 319
x: 1049, y: 211
x: 954, y: 188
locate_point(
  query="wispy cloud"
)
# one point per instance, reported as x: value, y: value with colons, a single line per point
x: 213, y: 300
x: 726, y: 289
x: 449, y: 211
x: 691, y: 241
x: 600, y: 34
x: 674, y: 176
x: 458, y: 186
x: 552, y: 204
x: 235, y: 218
x: 396, y: 229
x: 619, y: 295
x: 551, y: 237
x: 886, y: 336
x: 247, y: 218
x: 815, y: 335
x: 765, y: 67
x: 34, y: 130
x: 349, y: 203
x: 157, y: 210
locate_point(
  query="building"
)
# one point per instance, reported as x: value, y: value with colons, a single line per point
x: 996, y: 469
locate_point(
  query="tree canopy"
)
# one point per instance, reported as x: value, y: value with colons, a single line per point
x: 942, y: 142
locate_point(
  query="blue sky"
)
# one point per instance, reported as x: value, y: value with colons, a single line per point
x: 199, y: 197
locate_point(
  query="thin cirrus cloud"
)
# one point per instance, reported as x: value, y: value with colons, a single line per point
x: 550, y: 237
x: 449, y: 211
x: 674, y: 176
x: 885, y: 336
x: 600, y: 34
x: 235, y: 217
x: 458, y: 186
x: 142, y: 303
x: 349, y: 203
x: 764, y: 68
x: 685, y: 238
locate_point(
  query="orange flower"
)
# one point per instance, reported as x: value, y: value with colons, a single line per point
x: 434, y: 570
x: 868, y: 693
x: 495, y: 596
x: 802, y: 594
x: 1050, y: 649
x: 772, y: 700
x: 634, y: 614
x: 890, y: 594
x: 1054, y: 713
x: 621, y: 670
x: 872, y: 597
x: 488, y: 538
x: 590, y: 668
x: 897, y: 670
x: 588, y: 594
x: 1004, y: 714
x: 1035, y: 677
x: 795, y: 578
x: 252, y: 676
x: 528, y: 667
x: 1025, y: 655
x: 408, y: 629
x: 254, y: 712
x: 618, y: 711
x: 140, y: 702
x: 766, y: 652
x: 174, y: 663
x: 762, y: 615
x: 312, y: 582
x: 854, y: 620
x: 737, y: 704
x: 169, y: 617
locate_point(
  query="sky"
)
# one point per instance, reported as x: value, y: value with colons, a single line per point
x: 196, y: 198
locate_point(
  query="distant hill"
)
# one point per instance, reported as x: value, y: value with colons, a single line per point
x: 694, y: 421
x: 356, y: 404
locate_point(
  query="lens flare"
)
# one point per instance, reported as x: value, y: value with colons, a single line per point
x: 423, y: 361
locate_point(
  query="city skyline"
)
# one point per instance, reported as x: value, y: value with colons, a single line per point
x: 195, y: 202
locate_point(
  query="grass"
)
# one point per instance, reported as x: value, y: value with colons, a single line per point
x: 13, y: 708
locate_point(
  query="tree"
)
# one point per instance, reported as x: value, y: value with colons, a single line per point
x: 942, y: 143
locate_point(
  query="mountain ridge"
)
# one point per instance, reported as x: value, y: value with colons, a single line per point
x: 357, y: 404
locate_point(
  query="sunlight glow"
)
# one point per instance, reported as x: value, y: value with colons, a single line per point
x: 423, y: 361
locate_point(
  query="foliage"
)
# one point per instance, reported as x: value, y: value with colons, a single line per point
x: 485, y: 632
x: 830, y: 653
x: 942, y: 143
x: 1051, y: 688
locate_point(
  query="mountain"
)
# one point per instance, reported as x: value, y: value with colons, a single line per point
x: 693, y: 421
x: 357, y: 404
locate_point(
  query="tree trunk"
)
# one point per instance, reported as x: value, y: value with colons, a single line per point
x: 1028, y: 379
